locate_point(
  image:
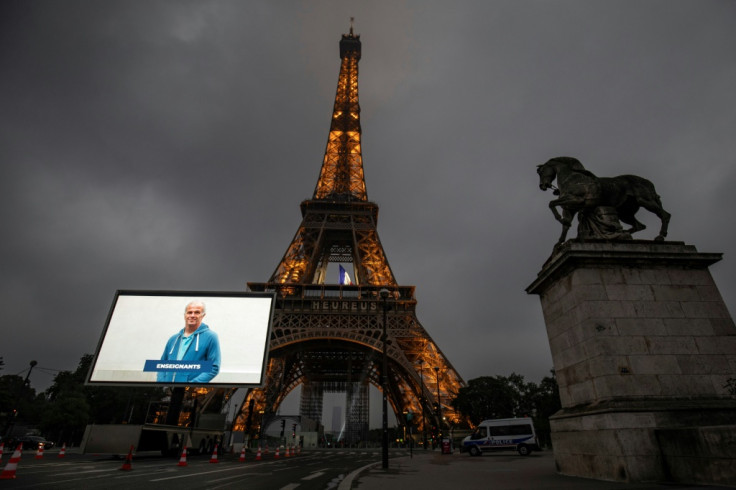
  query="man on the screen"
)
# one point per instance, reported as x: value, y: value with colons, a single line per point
x: 194, y: 342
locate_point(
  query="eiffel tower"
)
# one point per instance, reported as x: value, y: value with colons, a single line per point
x: 327, y: 337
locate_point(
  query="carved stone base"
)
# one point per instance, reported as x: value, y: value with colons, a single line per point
x: 643, y: 347
x: 642, y: 440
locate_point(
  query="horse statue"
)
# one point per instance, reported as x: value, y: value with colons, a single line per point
x: 600, y: 201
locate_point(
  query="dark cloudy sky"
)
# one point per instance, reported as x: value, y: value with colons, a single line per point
x: 168, y: 144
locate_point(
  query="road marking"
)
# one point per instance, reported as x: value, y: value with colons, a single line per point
x: 151, y: 471
x: 200, y: 473
x: 47, y: 465
x: 88, y: 471
x: 314, y: 475
x: 290, y: 486
x: 335, y: 481
x: 226, y: 478
x: 347, y: 483
x: 98, y: 477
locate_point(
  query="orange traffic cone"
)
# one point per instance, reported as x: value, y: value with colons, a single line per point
x: 9, y: 471
x: 2, y: 448
x: 276, y: 456
x: 213, y: 459
x: 258, y: 454
x: 288, y: 452
x: 242, y: 455
x: 265, y: 451
x: 298, y: 450
x: 39, y: 453
x: 62, y: 453
x: 183, y: 458
x: 128, y: 463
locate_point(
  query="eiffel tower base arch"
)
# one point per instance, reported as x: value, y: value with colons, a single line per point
x: 335, y: 346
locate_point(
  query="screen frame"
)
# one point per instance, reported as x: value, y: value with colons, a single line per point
x: 260, y: 357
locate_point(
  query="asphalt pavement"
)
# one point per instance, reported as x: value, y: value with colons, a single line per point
x: 432, y: 469
x: 499, y: 471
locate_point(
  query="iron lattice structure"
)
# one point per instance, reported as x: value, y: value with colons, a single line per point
x: 328, y: 337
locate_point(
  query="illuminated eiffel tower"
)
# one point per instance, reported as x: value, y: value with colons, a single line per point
x: 327, y: 337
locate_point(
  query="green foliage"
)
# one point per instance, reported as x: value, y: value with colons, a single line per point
x: 67, y: 406
x: 16, y: 395
x: 484, y: 397
x: 67, y: 412
x: 70, y: 412
x: 546, y: 401
x: 492, y: 397
x: 73, y: 405
x: 496, y: 397
x: 10, y: 389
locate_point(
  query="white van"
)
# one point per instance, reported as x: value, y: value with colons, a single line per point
x: 499, y: 434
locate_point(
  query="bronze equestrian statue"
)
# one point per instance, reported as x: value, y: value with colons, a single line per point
x: 600, y: 202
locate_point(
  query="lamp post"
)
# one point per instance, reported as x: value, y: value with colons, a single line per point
x: 439, y: 402
x: 421, y: 402
x: 384, y: 383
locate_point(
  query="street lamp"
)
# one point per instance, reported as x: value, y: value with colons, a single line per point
x: 439, y: 402
x: 384, y: 383
x: 421, y: 402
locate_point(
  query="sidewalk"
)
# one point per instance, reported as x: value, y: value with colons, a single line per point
x: 500, y: 471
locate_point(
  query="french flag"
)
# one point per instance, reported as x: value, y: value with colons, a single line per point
x: 344, y: 277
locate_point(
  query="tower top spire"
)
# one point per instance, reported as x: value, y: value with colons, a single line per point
x: 341, y: 177
x: 350, y: 43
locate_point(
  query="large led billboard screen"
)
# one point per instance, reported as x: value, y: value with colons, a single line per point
x: 184, y: 338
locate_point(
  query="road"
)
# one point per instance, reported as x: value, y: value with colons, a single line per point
x: 317, y: 469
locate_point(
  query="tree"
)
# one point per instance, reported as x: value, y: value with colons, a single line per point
x: 66, y: 418
x: 18, y: 403
x: 67, y: 412
x: 74, y: 405
x: 497, y: 397
x: 486, y: 397
x: 546, y: 402
x: 547, y: 397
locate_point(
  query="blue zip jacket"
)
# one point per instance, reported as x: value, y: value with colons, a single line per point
x: 205, y: 346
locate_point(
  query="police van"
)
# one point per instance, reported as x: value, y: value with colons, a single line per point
x: 502, y: 434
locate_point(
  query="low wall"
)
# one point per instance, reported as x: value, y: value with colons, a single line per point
x: 645, y: 441
x: 699, y: 454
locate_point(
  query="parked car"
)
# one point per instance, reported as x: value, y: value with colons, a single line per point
x: 32, y: 442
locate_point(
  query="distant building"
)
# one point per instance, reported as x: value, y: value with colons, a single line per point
x: 336, y: 420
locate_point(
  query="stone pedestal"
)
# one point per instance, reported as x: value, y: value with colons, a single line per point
x: 643, y: 347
